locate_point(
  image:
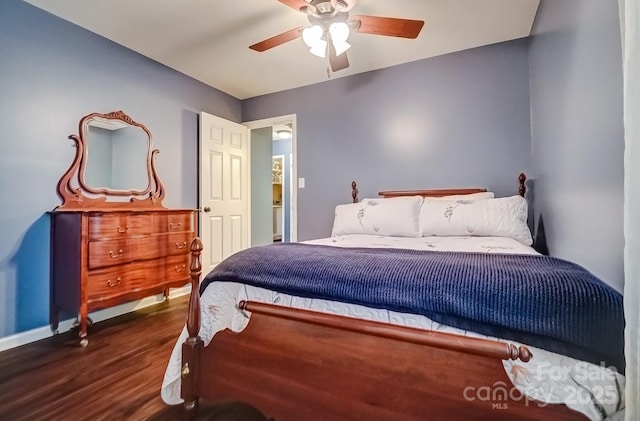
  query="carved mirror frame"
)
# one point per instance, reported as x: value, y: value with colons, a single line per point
x: 77, y: 194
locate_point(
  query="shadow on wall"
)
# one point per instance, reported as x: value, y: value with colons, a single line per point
x: 530, y: 195
x: 536, y: 227
x: 540, y: 242
x: 363, y: 81
x: 32, y: 267
x: 190, y: 157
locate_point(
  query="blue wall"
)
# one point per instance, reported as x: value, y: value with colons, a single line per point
x: 577, y: 132
x: 456, y: 120
x: 51, y: 74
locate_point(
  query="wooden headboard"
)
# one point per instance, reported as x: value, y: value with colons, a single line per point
x: 522, y: 189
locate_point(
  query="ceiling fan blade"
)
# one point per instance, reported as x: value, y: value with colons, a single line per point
x: 277, y: 40
x: 298, y: 5
x: 392, y: 27
x: 337, y: 62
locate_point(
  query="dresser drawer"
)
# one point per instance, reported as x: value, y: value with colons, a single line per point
x: 172, y: 222
x: 118, y: 225
x: 116, y: 252
x: 177, y: 268
x: 120, y: 280
x: 178, y: 243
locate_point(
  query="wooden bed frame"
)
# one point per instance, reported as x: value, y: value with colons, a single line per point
x: 297, y: 364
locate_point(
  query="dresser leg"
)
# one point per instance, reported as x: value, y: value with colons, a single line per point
x: 83, y: 323
x: 166, y: 294
x: 82, y: 333
x: 191, y: 408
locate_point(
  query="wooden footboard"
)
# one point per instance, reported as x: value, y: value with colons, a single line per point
x: 302, y: 365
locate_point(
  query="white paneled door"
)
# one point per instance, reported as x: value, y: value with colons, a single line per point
x: 224, y: 189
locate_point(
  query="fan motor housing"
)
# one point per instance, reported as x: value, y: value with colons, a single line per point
x: 325, y: 8
x: 326, y: 20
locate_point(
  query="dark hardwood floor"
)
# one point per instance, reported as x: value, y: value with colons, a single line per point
x: 116, y: 377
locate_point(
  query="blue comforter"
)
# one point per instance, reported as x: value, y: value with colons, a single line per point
x: 537, y: 300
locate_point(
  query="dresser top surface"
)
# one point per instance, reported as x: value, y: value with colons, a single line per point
x: 101, y: 211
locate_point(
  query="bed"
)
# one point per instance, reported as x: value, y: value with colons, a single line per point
x: 294, y: 352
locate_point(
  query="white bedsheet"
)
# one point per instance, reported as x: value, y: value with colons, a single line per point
x: 550, y: 378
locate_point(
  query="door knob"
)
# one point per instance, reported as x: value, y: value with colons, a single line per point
x: 207, y: 209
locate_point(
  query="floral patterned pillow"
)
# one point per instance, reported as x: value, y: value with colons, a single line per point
x: 398, y: 217
x: 500, y: 217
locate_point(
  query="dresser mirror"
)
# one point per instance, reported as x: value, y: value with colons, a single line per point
x: 117, y: 156
x: 114, y: 165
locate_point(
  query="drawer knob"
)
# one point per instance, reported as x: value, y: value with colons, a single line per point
x: 181, y: 246
x: 181, y: 269
x: 175, y: 226
x: 114, y: 284
x: 121, y: 230
x: 116, y: 256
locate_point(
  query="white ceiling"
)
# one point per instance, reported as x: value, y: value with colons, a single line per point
x: 209, y: 39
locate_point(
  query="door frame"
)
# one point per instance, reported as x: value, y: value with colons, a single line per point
x: 270, y: 122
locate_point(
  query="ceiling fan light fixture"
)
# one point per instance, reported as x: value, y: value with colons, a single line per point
x: 284, y: 134
x: 339, y: 32
x: 312, y: 35
x: 320, y: 49
x: 341, y: 47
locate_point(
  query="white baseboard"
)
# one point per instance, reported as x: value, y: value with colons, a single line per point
x: 33, y: 335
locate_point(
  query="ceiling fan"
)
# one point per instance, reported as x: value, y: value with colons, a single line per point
x: 330, y: 29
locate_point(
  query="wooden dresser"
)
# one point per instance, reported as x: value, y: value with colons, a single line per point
x: 112, y: 240
x: 105, y: 258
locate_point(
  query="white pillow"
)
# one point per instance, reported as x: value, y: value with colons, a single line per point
x: 397, y: 216
x: 470, y: 196
x: 501, y: 217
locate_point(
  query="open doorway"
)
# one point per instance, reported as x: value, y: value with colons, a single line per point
x: 282, y: 181
x: 272, y: 180
x: 278, y: 177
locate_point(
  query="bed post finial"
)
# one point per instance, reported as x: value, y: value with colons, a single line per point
x: 515, y: 353
x: 354, y: 192
x: 522, y: 189
x: 193, y: 319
